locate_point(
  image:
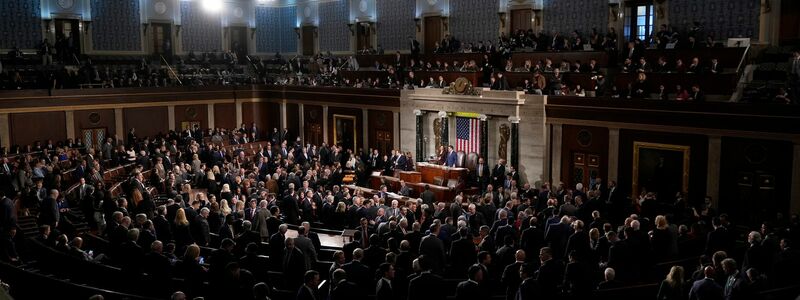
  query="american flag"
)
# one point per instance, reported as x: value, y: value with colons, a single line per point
x: 468, y: 135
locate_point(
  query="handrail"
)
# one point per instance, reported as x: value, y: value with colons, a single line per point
x: 741, y: 61
x: 77, y: 61
x: 170, y: 69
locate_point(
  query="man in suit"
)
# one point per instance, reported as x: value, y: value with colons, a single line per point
x: 550, y: 273
x: 202, y: 233
x: 433, y: 248
x: 481, y: 175
x: 499, y: 173
x: 736, y: 283
x: 304, y: 244
x: 358, y: 272
x: 276, y: 245
x: 462, y: 251
x: 309, y: 291
x: 427, y: 196
x: 413, y: 45
x: 49, y: 213
x: 290, y: 208
x: 452, y: 157
x: 511, y: 275
x: 706, y: 288
x: 384, y: 289
x: 470, y: 288
x: 426, y: 286
x: 293, y: 265
x: 697, y: 95
x: 719, y: 239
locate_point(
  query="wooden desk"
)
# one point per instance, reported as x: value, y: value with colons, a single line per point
x: 431, y: 171
x: 410, y: 176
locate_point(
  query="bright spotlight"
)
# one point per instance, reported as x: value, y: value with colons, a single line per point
x: 212, y: 5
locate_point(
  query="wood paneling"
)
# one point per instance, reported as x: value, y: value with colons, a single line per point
x: 790, y: 23
x: 224, y: 115
x: 99, y: 118
x: 312, y: 117
x: 381, y: 130
x: 755, y: 179
x: 26, y: 128
x: 583, y: 141
x: 266, y: 115
x: 698, y: 164
x: 191, y: 113
x: 148, y: 121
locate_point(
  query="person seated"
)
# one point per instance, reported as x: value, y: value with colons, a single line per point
x: 695, y: 67
x: 499, y: 82
x: 714, y: 67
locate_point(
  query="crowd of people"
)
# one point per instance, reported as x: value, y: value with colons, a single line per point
x: 511, y: 238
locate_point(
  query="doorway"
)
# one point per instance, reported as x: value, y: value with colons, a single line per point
x: 239, y: 42
x: 364, y: 36
x: 433, y: 33
x: 308, y: 40
x: 521, y: 20
x: 162, y: 39
x: 584, y: 168
x: 68, y: 40
x: 93, y: 137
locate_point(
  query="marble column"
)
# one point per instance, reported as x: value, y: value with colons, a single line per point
x: 794, y: 204
x: 514, y: 159
x: 712, y: 172
x: 120, y: 132
x: 69, y: 117
x: 238, y: 106
x: 555, y: 148
x: 302, y: 129
x: 325, y: 124
x: 5, y: 131
x: 283, y: 115
x: 171, y: 117
x: 484, y: 147
x: 396, y: 133
x: 364, y: 129
x: 420, y: 135
x: 210, y: 110
x: 613, y: 154
x: 445, y: 129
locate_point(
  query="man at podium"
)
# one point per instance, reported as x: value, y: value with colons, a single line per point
x: 452, y: 157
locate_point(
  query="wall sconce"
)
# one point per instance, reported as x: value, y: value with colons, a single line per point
x: 444, y: 23
x: 177, y: 30
x: 297, y: 31
x: 144, y: 26
x: 417, y: 22
x: 352, y: 28
x: 502, y: 16
x: 316, y: 32
x: 252, y: 32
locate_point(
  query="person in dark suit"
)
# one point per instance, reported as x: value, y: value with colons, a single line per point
x: 290, y: 208
x: 276, y: 245
x: 470, y: 288
x: 433, y: 249
x: 49, y: 213
x: 500, y: 83
x: 610, y: 282
x: 737, y: 285
x: 462, y: 251
x: 719, y: 239
x: 706, y: 288
x: 549, y: 274
x: 201, y: 230
x: 481, y: 175
x: 452, y: 157
x: 532, y: 238
x: 343, y: 289
x: 426, y: 286
x: 293, y: 265
x: 384, y: 289
x: 499, y: 173
x: 358, y: 272
x: 158, y: 267
x: 309, y: 291
x: 527, y: 287
x: 697, y: 95
x: 511, y: 275
x: 578, y: 241
x: 427, y: 196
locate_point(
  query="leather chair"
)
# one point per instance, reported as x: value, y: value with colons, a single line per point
x: 472, y: 161
x: 460, y: 159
